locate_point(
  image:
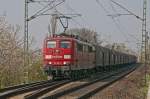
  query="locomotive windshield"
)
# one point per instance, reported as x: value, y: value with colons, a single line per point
x: 64, y: 44
x: 51, y: 44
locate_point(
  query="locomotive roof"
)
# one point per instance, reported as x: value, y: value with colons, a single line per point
x: 76, y: 38
x: 69, y: 38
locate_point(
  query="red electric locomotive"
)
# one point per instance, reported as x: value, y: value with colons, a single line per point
x: 66, y: 56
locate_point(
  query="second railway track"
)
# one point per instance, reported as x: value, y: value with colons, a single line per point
x: 14, y: 91
x: 66, y: 89
x: 89, y: 88
x: 23, y: 85
x: 81, y: 88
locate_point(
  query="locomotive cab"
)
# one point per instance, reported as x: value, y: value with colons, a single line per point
x: 58, y: 56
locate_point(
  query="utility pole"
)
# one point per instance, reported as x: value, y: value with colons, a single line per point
x: 144, y: 46
x: 26, y: 43
x: 49, y: 5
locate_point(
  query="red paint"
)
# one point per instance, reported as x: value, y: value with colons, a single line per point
x: 78, y: 59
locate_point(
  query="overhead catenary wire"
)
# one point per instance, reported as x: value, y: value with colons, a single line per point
x: 114, y: 21
x: 115, y: 11
x: 126, y: 10
x: 73, y: 14
x: 120, y: 29
x: 53, y: 6
x: 39, y: 2
x: 102, y: 6
x: 70, y: 18
x: 45, y: 9
x: 117, y: 22
x: 77, y: 22
x: 50, y: 5
x: 113, y: 8
x: 81, y: 17
x: 34, y: 1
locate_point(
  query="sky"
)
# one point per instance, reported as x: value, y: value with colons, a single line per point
x: 124, y: 29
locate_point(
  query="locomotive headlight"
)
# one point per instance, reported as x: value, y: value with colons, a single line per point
x: 65, y: 63
x: 67, y: 56
x: 48, y: 56
x: 50, y: 62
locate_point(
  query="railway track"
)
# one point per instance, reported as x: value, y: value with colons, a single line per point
x: 17, y: 90
x: 103, y: 84
x: 86, y: 90
x: 40, y: 92
x: 22, y: 85
x: 66, y: 88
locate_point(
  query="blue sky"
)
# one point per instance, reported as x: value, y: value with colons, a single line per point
x: 124, y: 29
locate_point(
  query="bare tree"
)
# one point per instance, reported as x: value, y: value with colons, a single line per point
x: 121, y: 47
x: 85, y: 34
x: 11, y: 56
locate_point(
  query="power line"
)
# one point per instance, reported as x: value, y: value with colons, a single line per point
x: 113, y: 8
x: 114, y: 21
x: 101, y: 5
x: 72, y: 10
x: 126, y: 10
x: 77, y: 23
x: 50, y: 5
x: 82, y: 18
x: 119, y: 28
x: 118, y: 25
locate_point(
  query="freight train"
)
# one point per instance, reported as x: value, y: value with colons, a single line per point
x: 66, y: 56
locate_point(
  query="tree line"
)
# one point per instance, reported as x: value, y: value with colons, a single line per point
x: 12, y: 70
